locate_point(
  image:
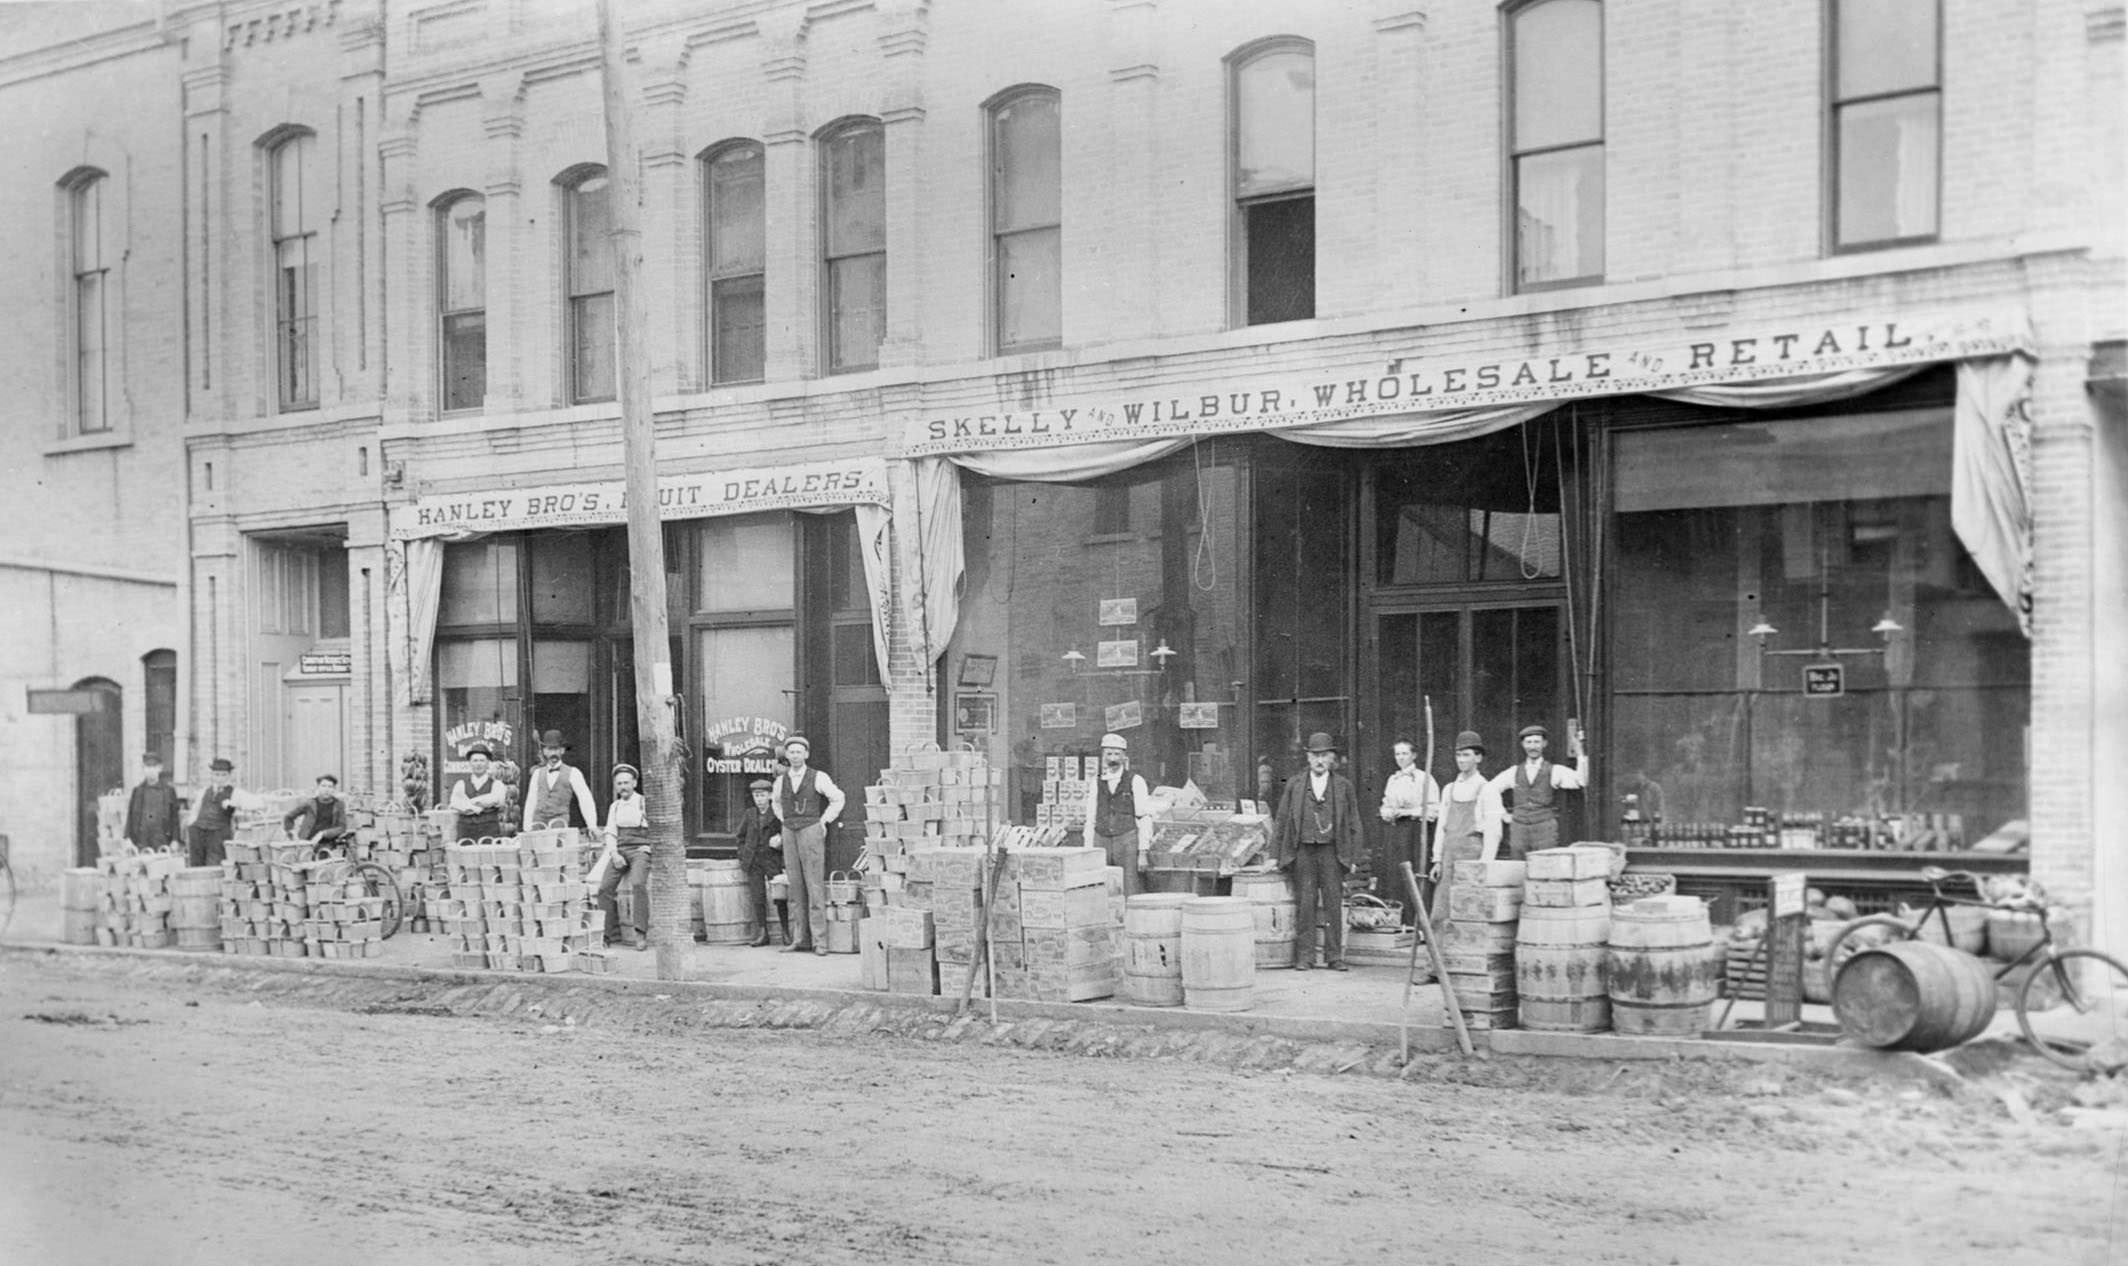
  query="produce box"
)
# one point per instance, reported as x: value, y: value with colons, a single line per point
x: 1566, y: 893
x: 1489, y: 874
x: 1575, y: 861
x: 1085, y: 906
x: 1067, y: 947
x: 1466, y: 936
x: 911, y: 971
x: 1054, y: 869
x: 899, y: 927
x: 1484, y: 905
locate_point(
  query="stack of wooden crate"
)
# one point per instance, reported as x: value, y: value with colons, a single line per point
x: 897, y: 951
x: 265, y: 892
x: 1478, y: 940
x: 134, y: 899
x: 1065, y: 780
x: 410, y: 846
x: 927, y: 799
x: 343, y: 922
x: 522, y: 906
x: 1054, y: 929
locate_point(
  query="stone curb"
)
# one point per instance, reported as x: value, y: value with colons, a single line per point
x: 1426, y: 1038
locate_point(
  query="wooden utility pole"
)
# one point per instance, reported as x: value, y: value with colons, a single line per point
x: 654, y: 701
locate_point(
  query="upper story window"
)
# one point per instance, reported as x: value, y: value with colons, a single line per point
x: 1556, y: 142
x: 462, y: 300
x: 295, y: 294
x: 1026, y: 220
x: 1273, y: 126
x: 736, y: 254
x: 587, y: 283
x: 90, y: 250
x: 1886, y: 116
x: 854, y: 243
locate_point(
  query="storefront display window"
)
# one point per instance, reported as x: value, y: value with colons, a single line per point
x: 561, y: 578
x: 1747, y: 557
x: 478, y: 699
x: 479, y: 583
x: 748, y: 564
x: 1106, y: 607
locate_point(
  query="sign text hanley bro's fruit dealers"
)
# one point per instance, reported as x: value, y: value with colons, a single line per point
x: 1418, y: 383
x: 861, y: 479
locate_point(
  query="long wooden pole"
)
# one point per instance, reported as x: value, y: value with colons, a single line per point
x: 654, y: 696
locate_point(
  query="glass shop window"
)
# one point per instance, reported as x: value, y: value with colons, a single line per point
x: 1479, y: 511
x: 1745, y: 554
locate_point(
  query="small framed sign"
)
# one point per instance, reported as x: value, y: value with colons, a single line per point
x: 1122, y: 653
x: 1198, y: 716
x: 1128, y: 715
x: 1119, y: 611
x: 979, y: 671
x: 974, y: 712
x: 1060, y: 716
x: 1824, y: 681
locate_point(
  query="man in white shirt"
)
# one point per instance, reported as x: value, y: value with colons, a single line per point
x: 1534, y: 780
x: 554, y: 785
x: 1469, y: 828
x: 1119, y: 810
x: 628, y: 840
x: 478, y: 797
x: 807, y: 803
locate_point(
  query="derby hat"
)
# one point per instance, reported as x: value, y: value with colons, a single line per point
x: 1320, y: 742
x: 221, y: 765
x: 1469, y: 739
x: 553, y: 738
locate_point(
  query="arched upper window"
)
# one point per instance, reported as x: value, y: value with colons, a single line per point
x: 1272, y: 101
x: 853, y: 164
x: 735, y: 261
x: 1887, y: 121
x: 294, y: 214
x: 90, y: 332
x: 1555, y: 126
x: 587, y: 282
x: 1027, y: 219
x: 462, y: 300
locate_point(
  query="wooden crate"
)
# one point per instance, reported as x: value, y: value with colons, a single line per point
x: 1567, y: 893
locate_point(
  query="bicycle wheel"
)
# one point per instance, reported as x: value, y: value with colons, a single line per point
x: 2088, y: 1032
x: 373, y: 880
x: 1848, y: 943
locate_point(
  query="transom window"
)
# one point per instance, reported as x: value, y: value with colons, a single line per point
x: 1556, y: 142
x: 1026, y: 220
x: 1273, y: 96
x: 1887, y: 108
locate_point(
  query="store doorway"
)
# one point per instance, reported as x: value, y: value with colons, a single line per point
x: 1490, y: 667
x: 314, y: 734
x: 99, y: 761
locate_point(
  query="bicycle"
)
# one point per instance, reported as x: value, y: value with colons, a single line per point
x: 2100, y: 1044
x: 368, y: 879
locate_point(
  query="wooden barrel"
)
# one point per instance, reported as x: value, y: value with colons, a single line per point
x: 1152, y: 949
x: 1664, y: 970
x: 1559, y: 968
x: 1271, y: 899
x: 1914, y: 996
x: 1218, y: 954
x: 728, y: 909
x: 79, y: 902
x: 196, y: 907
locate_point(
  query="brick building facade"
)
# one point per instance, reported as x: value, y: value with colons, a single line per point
x: 367, y: 333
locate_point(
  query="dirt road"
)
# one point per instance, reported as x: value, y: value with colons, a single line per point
x: 206, y: 1123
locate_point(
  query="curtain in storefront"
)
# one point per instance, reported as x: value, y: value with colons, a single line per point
x: 874, y: 538
x: 414, y: 591
x: 1991, y: 475
x: 945, y: 575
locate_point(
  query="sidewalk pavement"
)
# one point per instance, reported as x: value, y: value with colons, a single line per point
x: 1365, y: 1004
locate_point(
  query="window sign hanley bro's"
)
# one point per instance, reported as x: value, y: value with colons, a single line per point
x: 744, y: 745
x: 1417, y: 383
x: 699, y: 496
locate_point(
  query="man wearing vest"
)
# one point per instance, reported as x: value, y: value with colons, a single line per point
x: 214, y: 818
x: 1535, y: 813
x: 478, y: 797
x: 554, y: 785
x: 1317, y: 838
x: 807, y: 803
x: 1119, y: 814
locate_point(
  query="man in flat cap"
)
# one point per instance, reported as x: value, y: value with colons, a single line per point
x: 1533, y: 781
x: 1119, y: 809
x: 807, y: 803
x: 1317, y: 838
x: 761, y: 854
x: 213, y: 817
x: 152, y: 820
x: 479, y: 796
x: 555, y: 786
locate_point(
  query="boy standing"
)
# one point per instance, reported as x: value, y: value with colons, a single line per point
x: 214, y: 820
x: 151, y: 811
x: 761, y: 854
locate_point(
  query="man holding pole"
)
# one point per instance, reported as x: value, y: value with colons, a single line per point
x: 1535, y: 781
x: 807, y: 803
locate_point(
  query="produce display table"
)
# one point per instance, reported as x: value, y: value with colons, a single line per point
x: 1735, y: 878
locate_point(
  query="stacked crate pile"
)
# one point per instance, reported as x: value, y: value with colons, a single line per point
x: 1478, y: 940
x: 134, y: 899
x: 342, y: 922
x: 409, y: 845
x: 1562, y: 953
x: 265, y: 893
x: 898, y: 950
x: 1058, y: 902
x: 928, y: 799
x: 111, y: 821
x: 522, y: 906
x: 948, y: 882
x: 1064, y: 783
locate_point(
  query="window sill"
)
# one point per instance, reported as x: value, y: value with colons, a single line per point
x: 89, y: 443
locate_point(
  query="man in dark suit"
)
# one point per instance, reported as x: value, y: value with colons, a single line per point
x: 214, y: 817
x: 1317, y: 838
x: 152, y: 819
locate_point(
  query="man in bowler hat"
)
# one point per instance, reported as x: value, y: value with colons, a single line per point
x: 555, y: 785
x: 1317, y: 838
x: 214, y: 818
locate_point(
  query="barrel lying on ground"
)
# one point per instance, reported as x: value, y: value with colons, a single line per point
x: 1914, y: 996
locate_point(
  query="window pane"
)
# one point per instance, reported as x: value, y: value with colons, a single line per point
x: 332, y: 593
x: 479, y: 583
x: 857, y: 297
x: 1514, y: 667
x: 465, y: 255
x: 591, y: 338
x: 1888, y: 169
x: 590, y: 247
x: 289, y: 214
x: 748, y: 564
x: 89, y: 352
x: 465, y: 360
x: 1558, y: 74
x: 857, y: 191
x: 1274, y: 99
x: 736, y: 212
x: 1559, y: 216
x: 1885, y: 46
x: 1030, y: 289
x: 476, y: 690
x: 1029, y: 164
x: 747, y: 673
x: 88, y: 225
x: 1281, y: 246
x: 485, y: 663
x: 739, y: 329
x: 561, y: 578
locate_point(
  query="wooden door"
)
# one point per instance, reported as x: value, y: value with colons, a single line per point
x: 99, y: 762
x: 313, y: 733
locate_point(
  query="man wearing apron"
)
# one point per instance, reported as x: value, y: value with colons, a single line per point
x: 478, y: 798
x: 1535, y: 781
x: 807, y: 803
x: 554, y: 785
x: 628, y: 837
x: 1469, y: 828
x: 1118, y: 814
